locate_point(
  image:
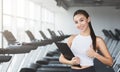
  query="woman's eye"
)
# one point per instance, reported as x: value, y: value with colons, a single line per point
x: 81, y: 20
x: 76, y: 22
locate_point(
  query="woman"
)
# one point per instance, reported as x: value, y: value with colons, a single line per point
x: 85, y: 45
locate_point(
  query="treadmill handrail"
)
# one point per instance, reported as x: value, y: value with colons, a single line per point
x: 9, y: 37
x: 30, y: 35
x: 43, y: 35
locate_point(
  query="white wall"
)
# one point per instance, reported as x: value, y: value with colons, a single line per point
x: 101, y: 18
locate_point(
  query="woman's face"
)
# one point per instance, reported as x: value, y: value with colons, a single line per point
x: 81, y: 22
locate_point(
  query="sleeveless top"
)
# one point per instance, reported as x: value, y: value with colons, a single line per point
x: 79, y: 47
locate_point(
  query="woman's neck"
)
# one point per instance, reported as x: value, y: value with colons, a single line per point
x: 85, y: 33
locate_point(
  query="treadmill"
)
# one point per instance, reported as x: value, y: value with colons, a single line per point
x: 15, y: 47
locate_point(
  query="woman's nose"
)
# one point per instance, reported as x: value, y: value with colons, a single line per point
x: 79, y: 23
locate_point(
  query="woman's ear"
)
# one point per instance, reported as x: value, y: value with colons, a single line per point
x: 89, y: 19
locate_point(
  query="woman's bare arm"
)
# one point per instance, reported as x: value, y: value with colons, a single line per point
x: 106, y: 57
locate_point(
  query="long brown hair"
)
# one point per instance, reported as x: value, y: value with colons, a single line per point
x: 92, y: 34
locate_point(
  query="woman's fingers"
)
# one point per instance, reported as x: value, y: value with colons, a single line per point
x: 76, y: 60
x: 91, y: 52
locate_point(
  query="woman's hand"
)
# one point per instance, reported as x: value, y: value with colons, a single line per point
x: 75, y: 61
x: 91, y: 52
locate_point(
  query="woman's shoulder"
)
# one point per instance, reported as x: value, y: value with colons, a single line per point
x: 70, y: 39
x: 72, y: 36
x: 99, y: 40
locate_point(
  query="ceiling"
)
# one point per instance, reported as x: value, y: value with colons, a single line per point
x: 88, y: 3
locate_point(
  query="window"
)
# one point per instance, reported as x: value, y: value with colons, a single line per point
x: 19, y: 16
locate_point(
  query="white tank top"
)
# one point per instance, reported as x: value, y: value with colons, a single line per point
x: 79, y: 47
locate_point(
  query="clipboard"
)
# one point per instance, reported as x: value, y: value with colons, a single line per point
x: 65, y: 50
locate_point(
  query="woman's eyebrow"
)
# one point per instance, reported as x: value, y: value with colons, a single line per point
x: 82, y: 18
